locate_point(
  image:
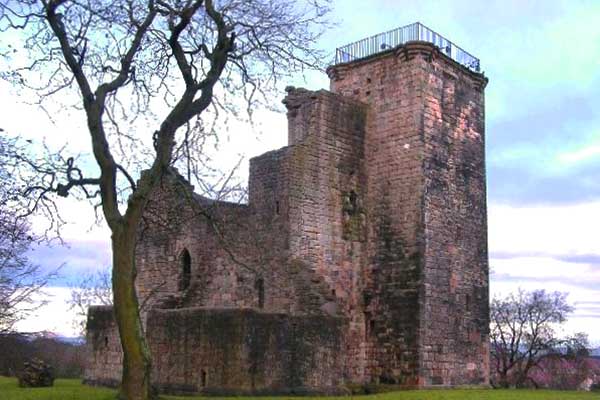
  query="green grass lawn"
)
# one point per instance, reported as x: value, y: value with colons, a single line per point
x: 71, y: 389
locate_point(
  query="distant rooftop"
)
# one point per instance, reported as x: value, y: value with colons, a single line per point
x: 399, y: 36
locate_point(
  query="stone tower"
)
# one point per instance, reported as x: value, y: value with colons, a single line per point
x: 361, y: 256
x: 425, y: 283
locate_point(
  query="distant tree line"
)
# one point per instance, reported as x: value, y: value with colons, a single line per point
x: 67, y: 359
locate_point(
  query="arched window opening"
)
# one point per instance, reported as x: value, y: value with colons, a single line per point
x: 260, y: 289
x: 185, y: 266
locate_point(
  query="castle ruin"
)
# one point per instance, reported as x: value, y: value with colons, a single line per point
x: 360, y: 257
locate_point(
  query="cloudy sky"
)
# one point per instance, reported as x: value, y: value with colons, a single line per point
x: 543, y: 143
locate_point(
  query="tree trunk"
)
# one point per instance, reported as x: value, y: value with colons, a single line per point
x: 503, y: 380
x: 135, y: 383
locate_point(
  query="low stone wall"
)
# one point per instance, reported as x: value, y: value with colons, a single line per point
x: 105, y: 357
x: 228, y: 351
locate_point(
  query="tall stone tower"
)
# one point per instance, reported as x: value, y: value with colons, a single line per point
x: 425, y: 281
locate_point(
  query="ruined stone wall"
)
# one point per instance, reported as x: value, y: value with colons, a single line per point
x: 269, y: 202
x: 244, y: 351
x: 177, y: 223
x: 237, y: 252
x: 327, y: 213
x: 104, y: 362
x: 240, y: 254
x: 226, y: 351
x: 326, y: 177
x: 291, y: 281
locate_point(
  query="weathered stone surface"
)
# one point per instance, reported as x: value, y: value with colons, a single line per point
x: 36, y: 373
x: 426, y: 294
x: 236, y: 351
x: 362, y: 249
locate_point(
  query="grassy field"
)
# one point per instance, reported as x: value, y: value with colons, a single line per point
x: 70, y: 389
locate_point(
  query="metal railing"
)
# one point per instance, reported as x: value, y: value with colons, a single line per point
x: 397, y: 37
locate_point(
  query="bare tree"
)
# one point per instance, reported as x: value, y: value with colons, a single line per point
x: 523, y: 334
x: 92, y: 289
x: 168, y: 66
x: 20, y: 279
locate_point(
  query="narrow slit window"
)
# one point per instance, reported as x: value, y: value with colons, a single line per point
x: 202, y: 378
x: 185, y: 262
x: 369, y: 326
x: 260, y: 292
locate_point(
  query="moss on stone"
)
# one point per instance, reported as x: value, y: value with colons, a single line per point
x: 353, y: 217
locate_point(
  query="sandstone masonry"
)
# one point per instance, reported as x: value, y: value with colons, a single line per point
x: 361, y: 256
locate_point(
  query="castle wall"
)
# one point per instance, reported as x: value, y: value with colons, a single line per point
x: 245, y: 351
x: 326, y: 194
x: 176, y: 222
x: 104, y: 362
x: 269, y: 200
x: 236, y: 251
x: 227, y: 351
